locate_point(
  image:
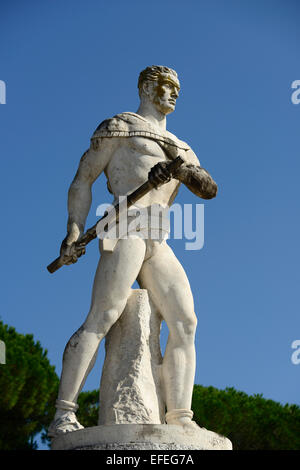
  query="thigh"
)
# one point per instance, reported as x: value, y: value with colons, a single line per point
x: 165, y: 279
x: 116, y: 272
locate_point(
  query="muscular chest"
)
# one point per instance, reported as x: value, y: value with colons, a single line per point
x: 132, y: 161
x: 135, y: 156
x: 143, y: 146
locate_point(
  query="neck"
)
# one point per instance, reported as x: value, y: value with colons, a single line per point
x: 148, y: 111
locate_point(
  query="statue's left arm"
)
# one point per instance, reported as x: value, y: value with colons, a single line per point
x: 196, y: 178
x: 190, y: 173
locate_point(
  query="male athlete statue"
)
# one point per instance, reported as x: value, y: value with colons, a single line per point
x: 126, y: 148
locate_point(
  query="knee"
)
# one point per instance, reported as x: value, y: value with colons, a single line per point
x: 100, y: 320
x: 189, y: 326
x: 108, y: 319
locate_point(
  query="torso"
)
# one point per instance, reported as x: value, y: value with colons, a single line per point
x: 129, y: 165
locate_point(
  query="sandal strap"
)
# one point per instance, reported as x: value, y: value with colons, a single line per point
x: 66, y: 405
x: 179, y: 413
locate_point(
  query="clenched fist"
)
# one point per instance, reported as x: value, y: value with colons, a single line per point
x: 70, y: 249
x: 159, y: 174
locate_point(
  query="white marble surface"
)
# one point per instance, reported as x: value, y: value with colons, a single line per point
x: 141, y: 437
x: 130, y: 389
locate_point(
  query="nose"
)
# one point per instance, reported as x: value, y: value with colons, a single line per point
x: 175, y: 93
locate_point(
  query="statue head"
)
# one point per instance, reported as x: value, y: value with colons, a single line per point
x: 160, y: 85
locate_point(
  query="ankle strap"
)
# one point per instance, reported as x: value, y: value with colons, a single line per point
x: 66, y: 405
x: 178, y: 413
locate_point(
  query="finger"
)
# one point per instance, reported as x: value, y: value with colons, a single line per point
x: 67, y: 251
x: 163, y: 173
x: 159, y: 175
x: 80, y: 252
x: 151, y: 177
x: 80, y: 245
x: 67, y: 260
x: 166, y: 173
x: 155, y: 184
x: 70, y: 250
x: 165, y: 177
x: 157, y: 181
x: 161, y: 178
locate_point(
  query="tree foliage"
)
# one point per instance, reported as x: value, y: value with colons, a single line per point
x: 28, y: 389
x: 250, y: 422
x: 87, y: 413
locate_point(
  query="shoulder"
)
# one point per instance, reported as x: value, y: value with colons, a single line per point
x: 190, y: 155
x: 180, y: 143
x: 120, y: 123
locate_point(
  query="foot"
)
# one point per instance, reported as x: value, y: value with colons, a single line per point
x: 191, y: 426
x: 67, y: 422
x: 186, y: 423
x: 182, y: 417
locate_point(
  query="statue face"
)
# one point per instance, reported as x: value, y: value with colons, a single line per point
x: 163, y: 93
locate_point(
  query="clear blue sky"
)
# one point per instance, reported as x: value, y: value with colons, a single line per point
x: 69, y: 65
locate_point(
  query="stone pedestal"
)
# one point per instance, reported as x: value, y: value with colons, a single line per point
x: 132, y: 408
x: 130, y: 389
x: 141, y: 437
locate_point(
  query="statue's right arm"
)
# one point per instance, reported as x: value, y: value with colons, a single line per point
x: 91, y: 165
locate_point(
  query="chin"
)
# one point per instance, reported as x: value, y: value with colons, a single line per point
x: 164, y: 107
x: 167, y: 109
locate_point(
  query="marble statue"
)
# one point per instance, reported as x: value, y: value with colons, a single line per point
x: 131, y: 148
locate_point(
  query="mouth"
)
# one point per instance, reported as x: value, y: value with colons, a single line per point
x: 172, y: 102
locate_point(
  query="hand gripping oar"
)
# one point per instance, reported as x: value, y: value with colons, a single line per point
x: 91, y: 233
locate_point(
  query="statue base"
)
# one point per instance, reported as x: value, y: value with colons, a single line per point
x: 141, y: 437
